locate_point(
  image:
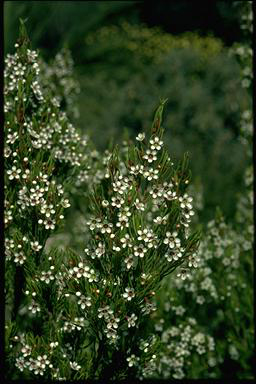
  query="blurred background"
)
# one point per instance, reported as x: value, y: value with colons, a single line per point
x: 129, y: 54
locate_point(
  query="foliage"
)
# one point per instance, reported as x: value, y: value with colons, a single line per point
x: 51, y: 24
x: 135, y: 46
x: 205, y: 101
x: 118, y: 286
x: 98, y: 300
x: 218, y: 297
x: 216, y: 300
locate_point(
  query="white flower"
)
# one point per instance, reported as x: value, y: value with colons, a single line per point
x: 93, y: 223
x: 14, y: 173
x: 8, y: 216
x: 140, y: 206
x: 123, y: 221
x: 116, y: 248
x: 185, y: 201
x: 193, y: 261
x: 35, y: 246
x: 172, y: 240
x: 113, y: 322
x: 148, y: 308
x: 129, y: 293
x: 132, y: 320
x: 156, y: 143
x: 19, y: 258
x: 105, y: 203
x: 183, y: 274
x: 169, y: 194
x: 122, y: 184
x: 179, y: 310
x: 80, y: 270
x: 26, y: 350
x: 111, y: 333
x: 47, y: 210
x: 132, y: 360
x: 20, y: 363
x: 126, y: 241
x: 26, y: 174
x: 105, y: 312
x: 38, y: 370
x: 144, y: 346
x: 140, y: 137
x: 139, y: 250
x: 174, y: 254
x: 54, y: 344
x: 158, y: 220
x: 150, y: 156
x: 31, y: 364
x: 34, y: 307
x: 65, y: 203
x: 92, y: 276
x: 117, y: 202
x: 200, y: 299
x: 11, y: 138
x: 47, y: 276
x: 156, y: 192
x: 7, y: 152
x: 136, y: 169
x: 100, y: 250
x: 74, y: 365
x: 84, y: 301
x: 42, y: 361
x: 105, y: 228
x: 49, y: 224
x: 148, y: 236
x: 151, y: 174
x: 129, y: 261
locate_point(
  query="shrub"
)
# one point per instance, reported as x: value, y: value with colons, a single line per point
x: 70, y: 315
x: 130, y: 47
x: 216, y: 300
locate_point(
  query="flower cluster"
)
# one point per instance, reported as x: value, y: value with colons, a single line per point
x: 95, y: 298
x: 179, y: 343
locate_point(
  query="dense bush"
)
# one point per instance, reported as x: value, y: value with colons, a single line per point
x: 214, y: 305
x: 70, y: 315
x: 119, y: 286
x: 206, y: 323
x: 131, y: 47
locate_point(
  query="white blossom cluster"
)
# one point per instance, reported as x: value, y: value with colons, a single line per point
x: 128, y: 234
x: 219, y: 251
x: 140, y: 212
x: 43, y: 364
x: 179, y: 344
x: 66, y: 88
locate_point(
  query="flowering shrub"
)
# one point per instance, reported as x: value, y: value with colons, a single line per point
x: 70, y: 315
x: 43, y: 153
x: 127, y: 291
x: 219, y: 291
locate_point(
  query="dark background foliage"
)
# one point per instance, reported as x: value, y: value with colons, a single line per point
x: 53, y: 21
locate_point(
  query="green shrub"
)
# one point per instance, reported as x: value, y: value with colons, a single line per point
x: 78, y: 315
x: 130, y: 47
x: 216, y: 301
